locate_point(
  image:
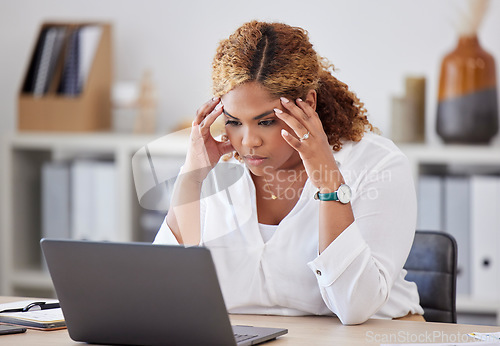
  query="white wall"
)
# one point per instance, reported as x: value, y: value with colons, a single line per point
x: 374, y: 44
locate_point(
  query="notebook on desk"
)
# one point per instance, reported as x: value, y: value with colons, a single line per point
x: 137, y: 293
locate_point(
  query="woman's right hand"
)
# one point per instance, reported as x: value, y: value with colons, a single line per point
x: 204, y: 151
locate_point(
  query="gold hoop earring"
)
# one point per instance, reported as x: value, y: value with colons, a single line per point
x: 228, y: 156
x: 237, y: 156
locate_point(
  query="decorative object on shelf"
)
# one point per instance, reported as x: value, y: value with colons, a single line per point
x: 135, y: 105
x: 147, y: 105
x: 467, y: 101
x: 124, y: 100
x: 408, y: 112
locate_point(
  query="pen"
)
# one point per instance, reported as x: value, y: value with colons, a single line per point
x: 34, y: 306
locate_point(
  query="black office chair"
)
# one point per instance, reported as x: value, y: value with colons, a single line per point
x: 432, y: 265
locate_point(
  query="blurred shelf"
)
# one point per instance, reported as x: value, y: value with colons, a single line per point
x: 32, y: 279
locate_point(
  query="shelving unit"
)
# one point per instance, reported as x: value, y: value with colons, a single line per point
x: 457, y: 160
x: 24, y: 153
x: 441, y: 159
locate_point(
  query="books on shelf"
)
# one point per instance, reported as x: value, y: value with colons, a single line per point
x: 430, y: 203
x: 90, y: 35
x: 56, y: 200
x: 67, y: 86
x: 467, y: 207
x: 73, y: 49
x: 79, y: 200
x: 485, y: 242
x: 50, y: 51
x: 93, y: 201
x: 457, y: 223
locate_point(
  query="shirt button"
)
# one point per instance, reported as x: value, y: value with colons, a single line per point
x: 318, y: 272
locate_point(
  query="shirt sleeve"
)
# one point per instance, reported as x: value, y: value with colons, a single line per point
x: 356, y: 272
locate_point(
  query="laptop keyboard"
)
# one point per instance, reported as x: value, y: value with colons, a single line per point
x: 243, y: 337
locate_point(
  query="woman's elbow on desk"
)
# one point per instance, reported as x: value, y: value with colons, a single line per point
x: 357, y: 315
x: 359, y: 305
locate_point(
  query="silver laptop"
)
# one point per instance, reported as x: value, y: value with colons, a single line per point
x: 143, y: 294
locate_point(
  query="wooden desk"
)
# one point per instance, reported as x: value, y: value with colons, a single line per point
x: 310, y: 330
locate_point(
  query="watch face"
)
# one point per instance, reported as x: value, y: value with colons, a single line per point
x: 344, y: 193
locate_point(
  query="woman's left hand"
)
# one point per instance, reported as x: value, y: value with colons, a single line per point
x: 311, y: 143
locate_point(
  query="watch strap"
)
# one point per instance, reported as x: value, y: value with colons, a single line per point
x: 330, y: 196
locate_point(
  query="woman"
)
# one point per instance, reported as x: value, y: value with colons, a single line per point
x: 319, y: 216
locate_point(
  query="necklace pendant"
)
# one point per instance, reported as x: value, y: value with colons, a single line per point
x: 274, y: 197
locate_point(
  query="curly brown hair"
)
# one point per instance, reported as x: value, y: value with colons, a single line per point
x: 281, y: 58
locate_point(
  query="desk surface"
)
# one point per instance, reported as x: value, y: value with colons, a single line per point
x: 310, y: 330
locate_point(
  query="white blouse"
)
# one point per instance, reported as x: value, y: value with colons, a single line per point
x: 358, y: 276
x: 267, y: 231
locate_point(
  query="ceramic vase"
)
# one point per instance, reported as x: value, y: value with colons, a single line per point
x: 467, y: 101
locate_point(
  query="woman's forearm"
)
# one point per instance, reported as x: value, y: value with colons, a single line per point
x: 334, y: 218
x: 183, y: 216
